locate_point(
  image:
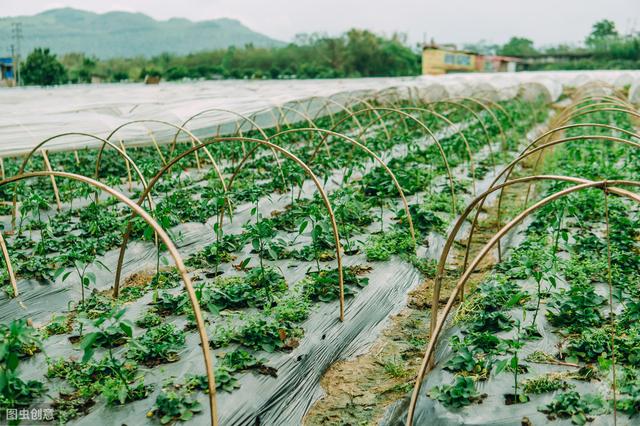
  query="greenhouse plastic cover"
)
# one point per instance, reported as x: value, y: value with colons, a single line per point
x: 31, y: 115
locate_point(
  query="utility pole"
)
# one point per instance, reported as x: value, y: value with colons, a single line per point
x: 13, y: 58
x: 16, y: 33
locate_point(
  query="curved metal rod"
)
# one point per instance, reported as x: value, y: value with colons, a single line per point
x: 570, y: 113
x: 477, y: 117
x: 8, y: 265
x: 546, y: 137
x: 376, y: 159
x: 578, y: 106
x: 283, y: 151
x: 459, y: 132
x: 238, y: 129
x: 491, y: 113
x: 463, y: 217
x: 389, y: 111
x: 376, y: 113
x: 123, y: 154
x: 194, y: 139
x: 526, y: 154
x: 581, y: 111
x: 548, y: 133
x: 249, y: 153
x: 437, y: 329
x: 204, y: 340
x: 601, y: 99
x: 597, y: 84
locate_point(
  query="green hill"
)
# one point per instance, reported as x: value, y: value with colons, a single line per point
x: 125, y: 34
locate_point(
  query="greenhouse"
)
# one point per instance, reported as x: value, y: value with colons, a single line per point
x: 455, y: 250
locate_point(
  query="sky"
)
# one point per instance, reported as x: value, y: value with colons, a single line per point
x: 446, y: 21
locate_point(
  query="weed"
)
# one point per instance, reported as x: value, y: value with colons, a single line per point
x: 546, y: 383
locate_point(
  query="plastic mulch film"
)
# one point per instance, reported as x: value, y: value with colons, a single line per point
x: 492, y: 410
x: 271, y: 400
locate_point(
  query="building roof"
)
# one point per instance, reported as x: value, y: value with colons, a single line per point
x: 502, y: 58
x: 445, y: 48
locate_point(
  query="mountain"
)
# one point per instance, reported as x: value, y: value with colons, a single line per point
x: 125, y: 34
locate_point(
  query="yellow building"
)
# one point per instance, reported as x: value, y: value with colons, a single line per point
x: 441, y: 60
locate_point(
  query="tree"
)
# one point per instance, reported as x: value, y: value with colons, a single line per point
x: 482, y: 47
x: 602, y: 31
x: 43, y: 68
x: 79, y: 68
x: 518, y: 46
x: 363, y: 53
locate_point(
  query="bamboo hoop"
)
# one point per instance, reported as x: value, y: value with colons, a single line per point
x: 258, y: 141
x: 436, y: 330
x: 138, y: 210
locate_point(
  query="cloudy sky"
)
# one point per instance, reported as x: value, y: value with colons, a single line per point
x: 458, y: 21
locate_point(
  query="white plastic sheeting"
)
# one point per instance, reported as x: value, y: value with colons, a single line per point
x: 31, y: 115
x: 634, y: 92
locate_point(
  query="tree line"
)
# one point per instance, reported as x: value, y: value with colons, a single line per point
x: 604, y: 48
x: 356, y: 53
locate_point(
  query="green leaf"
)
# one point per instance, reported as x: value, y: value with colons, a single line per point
x: 87, y: 343
x: 126, y: 327
x: 58, y: 272
x: 148, y: 233
x: 88, y: 353
x: 501, y: 365
x: 102, y: 265
x: 12, y: 361
x: 514, y: 362
x: 303, y: 226
x: 122, y: 394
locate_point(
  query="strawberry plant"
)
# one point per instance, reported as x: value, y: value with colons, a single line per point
x: 116, y: 387
x: 173, y: 405
x: 382, y: 246
x: 15, y: 337
x: 459, y: 394
x: 323, y: 285
x: 572, y: 405
x: 159, y: 344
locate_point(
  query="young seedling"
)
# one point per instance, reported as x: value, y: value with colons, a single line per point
x: 110, y: 328
x: 513, y: 363
x: 81, y: 261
